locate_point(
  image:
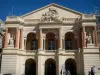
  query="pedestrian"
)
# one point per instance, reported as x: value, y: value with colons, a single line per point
x: 93, y: 71
x: 89, y: 73
x: 68, y: 72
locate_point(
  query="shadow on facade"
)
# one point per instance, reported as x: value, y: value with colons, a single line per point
x: 30, y: 67
x: 70, y: 64
x: 50, y: 67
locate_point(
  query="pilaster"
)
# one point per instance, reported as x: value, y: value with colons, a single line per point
x: 17, y: 32
x: 40, y: 40
x: 25, y: 43
x: 21, y: 38
x: 44, y: 43
x: 79, y: 43
x: 5, y: 38
x: 63, y: 42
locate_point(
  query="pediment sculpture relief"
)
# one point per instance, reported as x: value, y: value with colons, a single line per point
x: 51, y: 15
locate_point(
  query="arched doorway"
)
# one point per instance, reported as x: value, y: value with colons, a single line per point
x: 50, y: 67
x: 30, y: 67
x: 31, y: 43
x: 70, y: 64
x: 51, y: 41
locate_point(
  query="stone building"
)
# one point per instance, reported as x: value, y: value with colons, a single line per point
x: 42, y: 41
x: 1, y: 39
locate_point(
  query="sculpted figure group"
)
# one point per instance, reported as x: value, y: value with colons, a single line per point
x: 89, y: 38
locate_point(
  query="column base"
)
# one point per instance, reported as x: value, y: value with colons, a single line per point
x: 10, y: 46
x: 90, y: 45
x: 60, y: 51
x: 40, y: 49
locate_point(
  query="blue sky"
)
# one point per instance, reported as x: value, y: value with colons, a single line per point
x: 21, y: 7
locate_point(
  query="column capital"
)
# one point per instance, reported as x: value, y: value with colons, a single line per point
x: 6, y: 28
x: 63, y: 37
x: 83, y: 27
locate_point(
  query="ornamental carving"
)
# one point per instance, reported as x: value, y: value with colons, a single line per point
x: 89, y: 38
x: 51, y: 15
x: 11, y: 40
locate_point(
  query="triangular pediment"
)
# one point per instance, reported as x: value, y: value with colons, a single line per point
x: 52, y: 12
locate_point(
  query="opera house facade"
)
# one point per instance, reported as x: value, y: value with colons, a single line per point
x: 42, y: 41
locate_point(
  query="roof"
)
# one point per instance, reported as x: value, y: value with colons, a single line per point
x: 53, y: 4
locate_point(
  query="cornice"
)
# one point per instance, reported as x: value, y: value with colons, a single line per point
x: 14, y: 22
x: 88, y: 20
x: 53, y: 4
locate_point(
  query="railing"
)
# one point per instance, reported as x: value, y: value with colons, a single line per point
x: 14, y: 18
x: 85, y: 16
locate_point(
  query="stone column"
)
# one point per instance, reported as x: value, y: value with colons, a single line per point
x: 60, y: 40
x: 84, y: 37
x: 93, y: 34
x: 16, y: 43
x: 5, y: 38
x: 79, y: 43
x: 63, y: 43
x: 40, y: 40
x: 21, y: 38
x: 96, y: 38
x: 25, y: 43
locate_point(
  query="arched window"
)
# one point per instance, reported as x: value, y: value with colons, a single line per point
x: 51, y: 45
x: 51, y: 41
x: 69, y: 41
x: 34, y: 44
x: 68, y: 44
x: 31, y: 43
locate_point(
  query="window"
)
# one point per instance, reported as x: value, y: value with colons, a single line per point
x: 51, y: 45
x: 33, y: 45
x: 68, y: 44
